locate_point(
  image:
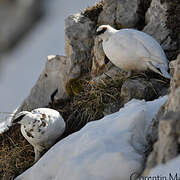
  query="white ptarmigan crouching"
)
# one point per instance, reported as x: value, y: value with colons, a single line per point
x: 41, y: 128
x: 130, y: 49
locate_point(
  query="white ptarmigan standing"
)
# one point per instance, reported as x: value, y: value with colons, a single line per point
x: 130, y: 49
x: 41, y: 128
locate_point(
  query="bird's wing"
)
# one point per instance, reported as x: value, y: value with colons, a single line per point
x: 152, y: 46
x: 38, y: 111
x: 151, y: 56
x: 141, y: 45
x: 130, y: 44
x: 158, y: 69
x: 42, y: 112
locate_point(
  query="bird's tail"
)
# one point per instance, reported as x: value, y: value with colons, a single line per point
x: 164, y: 72
x: 158, y: 68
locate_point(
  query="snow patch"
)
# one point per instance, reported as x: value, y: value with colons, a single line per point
x: 110, y: 148
x: 170, y: 170
x: 6, y: 121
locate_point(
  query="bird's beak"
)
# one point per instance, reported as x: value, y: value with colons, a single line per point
x: 97, y: 33
x: 17, y: 120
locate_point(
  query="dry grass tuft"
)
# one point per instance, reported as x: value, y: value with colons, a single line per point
x: 16, y: 154
x: 93, y: 12
x: 90, y: 103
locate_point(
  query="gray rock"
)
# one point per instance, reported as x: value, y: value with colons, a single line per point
x: 165, y: 126
x: 160, y: 27
x: 168, y: 144
x: 51, y: 84
x: 16, y: 19
x: 120, y: 13
x: 110, y: 71
x: 173, y: 103
x: 141, y: 88
x: 172, y: 66
x: 166, y: 148
x: 111, y: 108
x: 156, y: 18
x: 79, y: 35
x: 98, y: 58
x: 152, y: 132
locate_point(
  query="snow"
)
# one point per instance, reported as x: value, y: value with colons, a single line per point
x: 168, y: 170
x: 5, y: 121
x: 4, y: 125
x: 110, y: 148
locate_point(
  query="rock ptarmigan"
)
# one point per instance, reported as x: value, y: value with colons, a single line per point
x: 130, y: 49
x: 41, y: 128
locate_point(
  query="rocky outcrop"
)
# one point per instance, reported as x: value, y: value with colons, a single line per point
x: 166, y: 148
x: 16, y: 19
x: 156, y: 18
x: 165, y: 126
x: 51, y: 84
x: 173, y: 103
x: 141, y: 88
x: 121, y: 14
x: 98, y: 58
x: 162, y: 19
x: 59, y: 70
x: 79, y: 35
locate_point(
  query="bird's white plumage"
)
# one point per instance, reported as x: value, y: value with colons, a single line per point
x: 41, y: 128
x: 130, y: 49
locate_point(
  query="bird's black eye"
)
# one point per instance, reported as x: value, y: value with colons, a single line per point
x: 101, y: 31
x: 19, y: 118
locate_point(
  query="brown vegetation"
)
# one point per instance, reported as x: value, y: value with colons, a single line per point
x: 93, y: 12
x: 16, y: 154
x: 89, y: 104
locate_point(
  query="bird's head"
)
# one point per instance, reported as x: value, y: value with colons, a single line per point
x: 20, y: 118
x: 104, y: 31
